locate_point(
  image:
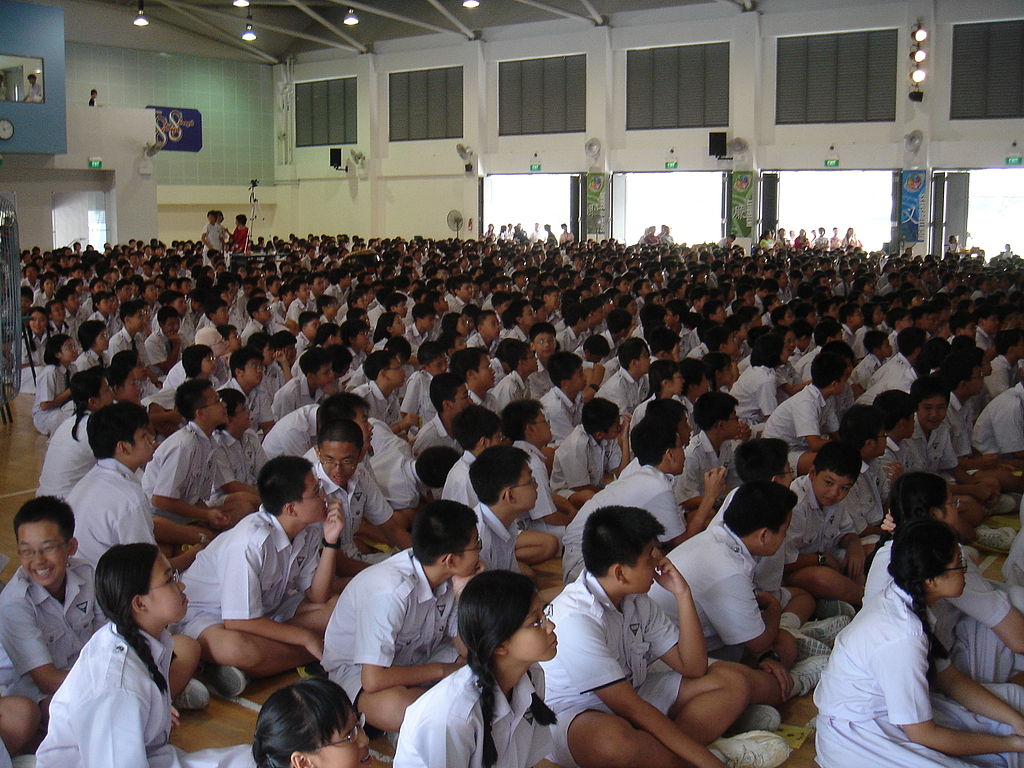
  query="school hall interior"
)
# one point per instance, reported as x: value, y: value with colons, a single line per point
x: 449, y: 119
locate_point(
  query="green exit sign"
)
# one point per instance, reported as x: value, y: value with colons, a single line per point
x: 832, y: 163
x: 671, y: 165
x: 534, y: 166
x: 95, y: 164
x: 1013, y: 160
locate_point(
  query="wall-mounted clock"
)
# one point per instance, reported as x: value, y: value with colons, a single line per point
x: 6, y: 129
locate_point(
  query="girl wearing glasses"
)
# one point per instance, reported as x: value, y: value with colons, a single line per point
x: 490, y: 713
x: 891, y: 696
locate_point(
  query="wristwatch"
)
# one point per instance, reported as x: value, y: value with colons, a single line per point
x: 821, y: 559
x: 328, y: 545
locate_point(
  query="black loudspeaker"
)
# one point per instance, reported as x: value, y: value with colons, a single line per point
x: 335, y: 157
x: 717, y: 144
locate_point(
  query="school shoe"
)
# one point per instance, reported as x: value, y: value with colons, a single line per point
x: 807, y: 646
x: 757, y: 717
x: 806, y: 674
x: 193, y: 696
x: 825, y: 630
x: 754, y: 749
x: 226, y: 680
x: 996, y: 538
x: 826, y: 608
x: 313, y: 670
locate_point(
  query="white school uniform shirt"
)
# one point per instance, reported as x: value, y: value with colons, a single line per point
x: 801, y: 415
x: 38, y: 629
x: 540, y: 382
x: 181, y: 468
x: 1000, y: 427
x: 1003, y: 376
x: 360, y: 498
x: 570, y: 341
x: 755, y: 392
x: 384, y: 408
x: 252, y: 570
x: 445, y: 725
x: 417, y: 396
x: 457, y: 486
x: 865, y: 369
x: 294, y: 434
x: 802, y: 365
x: 294, y: 394
x: 432, y: 434
x: 562, y: 414
x: 600, y: 645
x: 814, y: 528
x: 642, y: 486
x: 394, y: 467
x: 416, y: 338
x: 175, y: 377
x: 958, y: 426
x: 511, y: 387
x: 625, y: 391
x: 487, y: 401
x: 389, y: 615
x: 156, y: 349
x: 236, y: 460
x: 581, y: 460
x: 894, y: 373
x: 86, y: 360
x: 108, y: 685
x: 932, y: 453
x: 700, y: 457
x: 50, y: 382
x: 123, y: 340
x: 545, y: 505
x: 863, y: 504
x: 110, y: 508
x: 720, y: 571
x: 498, y: 543
x: 257, y: 401
x: 67, y: 459
x: 273, y: 379
x: 983, y: 340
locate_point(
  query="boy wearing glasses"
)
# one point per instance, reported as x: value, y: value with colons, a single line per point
x: 261, y: 594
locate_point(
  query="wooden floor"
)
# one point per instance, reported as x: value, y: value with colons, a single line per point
x: 228, y: 722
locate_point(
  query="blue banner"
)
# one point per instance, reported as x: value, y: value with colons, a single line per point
x: 912, y: 191
x: 178, y: 129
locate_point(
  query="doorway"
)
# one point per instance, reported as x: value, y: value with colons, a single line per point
x: 80, y: 217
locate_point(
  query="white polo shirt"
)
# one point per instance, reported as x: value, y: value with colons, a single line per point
x: 360, y: 498
x: 1003, y: 376
x: 110, y: 508
x: 67, y: 460
x: 293, y: 435
x: 540, y: 382
x: 599, y: 645
x: 801, y: 415
x: 38, y: 629
x: 181, y: 468
x: 562, y: 414
x: 294, y: 394
x: 498, y: 542
x: 700, y: 457
x: 52, y: 380
x: 625, y: 391
x: 956, y: 424
x: 417, y: 396
x: 432, y: 434
x: 813, y: 528
x: 756, y: 394
x: 237, y: 460
x: 511, y: 387
x: 863, y: 504
x: 383, y: 408
x: 257, y: 401
x: 545, y: 505
x: 394, y: 467
x: 389, y: 615
x: 935, y: 450
x: 894, y: 373
x: 457, y: 486
x: 865, y: 369
x: 581, y: 460
x: 445, y: 725
x: 1000, y: 427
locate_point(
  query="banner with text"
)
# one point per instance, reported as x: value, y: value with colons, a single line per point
x: 178, y: 129
x: 597, y: 205
x: 912, y: 191
x: 741, y: 204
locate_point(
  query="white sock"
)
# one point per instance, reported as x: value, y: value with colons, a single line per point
x: 790, y: 621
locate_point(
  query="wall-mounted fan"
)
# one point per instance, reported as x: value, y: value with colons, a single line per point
x: 455, y: 221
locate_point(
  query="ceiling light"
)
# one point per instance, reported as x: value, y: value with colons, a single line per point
x: 240, y: 3
x: 919, y: 56
x: 918, y: 75
x: 920, y: 34
x: 249, y: 35
x: 470, y: 3
x: 140, y: 18
x: 350, y: 18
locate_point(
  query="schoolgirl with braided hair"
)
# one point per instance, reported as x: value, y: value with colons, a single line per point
x: 879, y: 699
x: 490, y: 713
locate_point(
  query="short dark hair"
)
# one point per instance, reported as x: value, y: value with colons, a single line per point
x: 189, y: 397
x: 517, y: 416
x: 376, y: 362
x: 651, y: 438
x: 433, y: 465
x: 925, y: 387
x: 89, y: 331
x: 340, y: 431
x: 826, y: 369
x: 132, y: 307
x: 599, y: 415
x: 440, y: 528
x: 474, y: 423
x: 496, y: 469
x: 443, y: 387
x: 630, y: 350
x: 282, y: 481
x: 428, y: 352
x: 242, y: 357
x: 192, y: 359
x: 313, y: 359
x: 761, y: 458
x: 860, y: 424
x: 113, y: 424
x: 46, y: 509
x: 713, y: 407
x: 341, y: 405
x: 909, y: 340
x: 895, y: 405
x: 465, y: 360
x: 561, y: 366
x: 617, y: 534
x: 873, y: 339
x: 759, y: 504
x: 839, y: 458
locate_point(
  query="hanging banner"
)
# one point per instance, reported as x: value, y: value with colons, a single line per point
x: 178, y: 129
x: 741, y: 204
x: 912, y: 191
x: 597, y: 205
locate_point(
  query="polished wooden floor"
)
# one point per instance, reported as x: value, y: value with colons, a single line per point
x: 227, y: 722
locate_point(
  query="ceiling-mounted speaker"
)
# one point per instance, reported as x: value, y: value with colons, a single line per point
x: 336, y: 157
x: 717, y: 144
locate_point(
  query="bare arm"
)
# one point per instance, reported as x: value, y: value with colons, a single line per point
x: 376, y: 678
x: 212, y: 515
x: 47, y: 678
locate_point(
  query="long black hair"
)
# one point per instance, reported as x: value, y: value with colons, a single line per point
x: 122, y: 574
x: 912, y: 498
x: 492, y: 607
x: 85, y: 385
x: 301, y: 717
x: 921, y: 551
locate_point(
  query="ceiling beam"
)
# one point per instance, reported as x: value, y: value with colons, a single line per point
x: 275, y: 28
x: 217, y: 35
x: 451, y: 17
x: 592, y: 12
x: 341, y: 35
x: 393, y: 16
x: 555, y: 11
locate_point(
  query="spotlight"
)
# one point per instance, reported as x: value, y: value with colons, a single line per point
x: 240, y: 3
x: 919, y: 56
x: 350, y: 18
x: 918, y: 75
x: 140, y: 18
x: 470, y: 3
x: 249, y: 34
x: 920, y: 34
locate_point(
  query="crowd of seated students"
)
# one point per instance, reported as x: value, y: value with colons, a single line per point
x: 361, y: 458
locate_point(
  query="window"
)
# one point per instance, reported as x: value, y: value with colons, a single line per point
x: 682, y: 87
x: 542, y: 96
x: 325, y: 112
x: 988, y: 71
x: 844, y: 78
x: 426, y: 104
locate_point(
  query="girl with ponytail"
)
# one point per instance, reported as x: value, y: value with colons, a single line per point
x: 878, y: 699
x: 490, y: 713
x: 982, y: 630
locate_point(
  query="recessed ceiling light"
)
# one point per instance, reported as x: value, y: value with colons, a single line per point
x: 350, y: 18
x: 470, y: 3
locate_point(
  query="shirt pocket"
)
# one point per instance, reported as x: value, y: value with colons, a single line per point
x: 637, y: 650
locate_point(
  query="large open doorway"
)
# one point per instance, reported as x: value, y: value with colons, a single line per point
x: 688, y: 202
x: 995, y: 206
x: 531, y: 200
x: 80, y: 217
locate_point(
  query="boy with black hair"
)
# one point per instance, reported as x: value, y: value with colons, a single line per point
x: 802, y: 420
x: 517, y: 320
x: 628, y: 386
x: 163, y: 346
x: 384, y: 379
x: 260, y: 320
x: 542, y: 343
x: 432, y: 468
x: 134, y: 319
x: 877, y: 350
x: 1009, y: 349
x: 825, y: 331
x: 520, y: 362
x: 309, y: 324
x: 449, y: 396
x: 710, y: 446
x: 247, y: 377
x: 576, y: 316
x: 829, y: 560
x: 897, y: 372
x: 315, y: 383
x: 610, y: 633
x: 487, y: 332
x: 262, y: 593
x: 596, y: 448
x: 390, y: 634
x: 416, y: 400
x: 475, y: 428
x: 563, y: 403
x: 863, y: 427
x: 422, y: 326
x: 473, y: 366
x: 507, y: 490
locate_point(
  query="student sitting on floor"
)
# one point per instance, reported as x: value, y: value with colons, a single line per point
x: 312, y: 385
x: 416, y: 399
x: 449, y: 396
x: 612, y: 709
x: 563, y: 403
x: 711, y: 446
x: 390, y: 635
x: 262, y: 592
x: 476, y: 428
x: 595, y: 449
x: 247, y: 377
x: 863, y: 427
x: 53, y: 384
